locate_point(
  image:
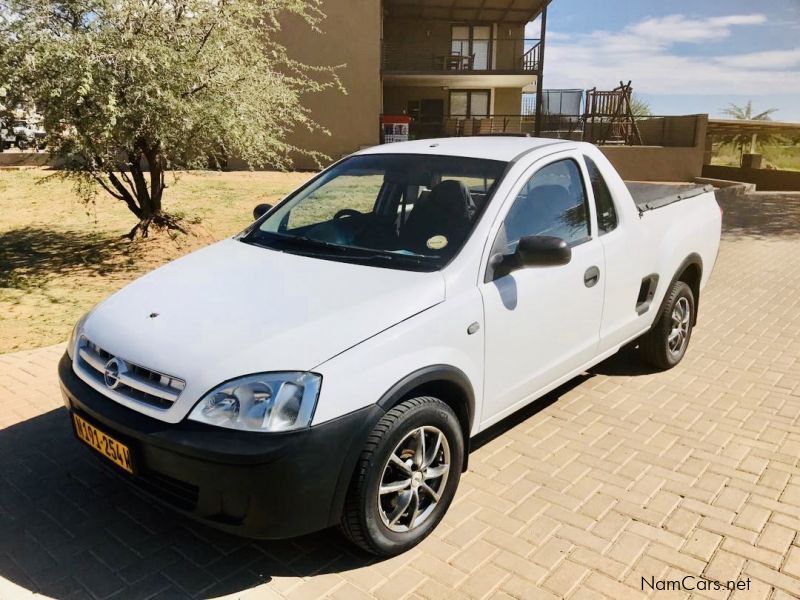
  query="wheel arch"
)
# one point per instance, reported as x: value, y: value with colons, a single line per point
x: 690, y: 272
x: 450, y: 384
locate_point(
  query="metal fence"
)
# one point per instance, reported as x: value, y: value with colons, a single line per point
x: 454, y: 126
x: 437, y: 56
x: 671, y: 131
x: 555, y: 102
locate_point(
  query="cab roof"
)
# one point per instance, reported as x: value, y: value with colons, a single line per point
x: 504, y: 148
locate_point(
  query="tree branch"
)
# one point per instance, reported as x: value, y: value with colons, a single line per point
x: 99, y: 179
x: 126, y: 197
x: 128, y: 181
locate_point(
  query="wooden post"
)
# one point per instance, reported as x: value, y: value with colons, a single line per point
x: 537, y: 128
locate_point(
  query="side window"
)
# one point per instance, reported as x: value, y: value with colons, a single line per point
x: 553, y: 202
x: 606, y: 215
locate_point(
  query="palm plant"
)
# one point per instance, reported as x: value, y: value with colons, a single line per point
x: 745, y: 113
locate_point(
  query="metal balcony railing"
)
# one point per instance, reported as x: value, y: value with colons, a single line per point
x: 465, y: 56
x: 673, y: 131
x: 455, y: 126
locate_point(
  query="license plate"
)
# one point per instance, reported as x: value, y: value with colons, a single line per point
x: 115, y: 451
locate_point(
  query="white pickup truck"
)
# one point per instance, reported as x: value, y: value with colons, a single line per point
x: 330, y: 364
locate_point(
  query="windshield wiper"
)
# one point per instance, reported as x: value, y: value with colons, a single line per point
x: 390, y: 257
x: 307, y: 242
x: 311, y: 247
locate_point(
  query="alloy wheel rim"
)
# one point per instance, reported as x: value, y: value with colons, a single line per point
x: 413, y: 479
x: 680, y: 321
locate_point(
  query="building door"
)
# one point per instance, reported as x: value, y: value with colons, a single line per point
x: 428, y: 117
x: 431, y: 110
x: 474, y: 42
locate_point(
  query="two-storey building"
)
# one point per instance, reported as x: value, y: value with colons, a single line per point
x: 455, y: 67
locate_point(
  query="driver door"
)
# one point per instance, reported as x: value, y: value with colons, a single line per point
x: 542, y: 323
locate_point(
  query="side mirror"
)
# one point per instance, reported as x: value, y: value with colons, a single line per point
x: 543, y: 251
x: 260, y: 210
x: 533, y: 251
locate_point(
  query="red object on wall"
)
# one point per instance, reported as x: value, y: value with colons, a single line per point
x: 394, y: 128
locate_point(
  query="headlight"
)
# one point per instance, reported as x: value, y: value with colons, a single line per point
x: 263, y: 402
x: 76, y: 335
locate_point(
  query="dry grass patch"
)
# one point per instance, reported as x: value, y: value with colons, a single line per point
x: 59, y: 257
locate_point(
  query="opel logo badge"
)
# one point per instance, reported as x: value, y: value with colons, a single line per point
x: 111, y: 373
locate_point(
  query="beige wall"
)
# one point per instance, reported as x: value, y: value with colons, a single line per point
x: 669, y: 131
x: 351, y: 37
x: 507, y: 101
x: 509, y: 48
x: 413, y: 45
x: 395, y: 98
x: 655, y: 163
x: 663, y: 163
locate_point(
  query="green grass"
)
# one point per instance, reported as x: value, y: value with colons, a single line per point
x: 777, y: 156
x: 60, y: 256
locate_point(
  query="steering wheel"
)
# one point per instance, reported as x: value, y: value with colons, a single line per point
x: 346, y: 212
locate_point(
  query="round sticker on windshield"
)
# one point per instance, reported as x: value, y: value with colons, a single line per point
x: 437, y: 242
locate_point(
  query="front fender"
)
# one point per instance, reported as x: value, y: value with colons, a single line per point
x: 433, y: 343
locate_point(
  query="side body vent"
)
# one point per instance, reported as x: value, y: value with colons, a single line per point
x: 646, y: 293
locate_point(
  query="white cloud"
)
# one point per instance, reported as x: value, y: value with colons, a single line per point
x: 642, y: 52
x: 771, y: 59
x: 756, y: 19
x: 677, y: 28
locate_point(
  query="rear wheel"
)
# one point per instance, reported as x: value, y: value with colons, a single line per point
x: 406, y: 477
x: 664, y: 346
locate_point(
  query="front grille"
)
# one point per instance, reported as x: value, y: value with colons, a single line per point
x: 127, y: 379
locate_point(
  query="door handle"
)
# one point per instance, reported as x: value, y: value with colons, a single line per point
x: 591, y: 277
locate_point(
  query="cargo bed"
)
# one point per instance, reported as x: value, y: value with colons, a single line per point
x: 649, y: 196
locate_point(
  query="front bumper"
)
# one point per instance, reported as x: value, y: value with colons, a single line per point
x: 272, y: 485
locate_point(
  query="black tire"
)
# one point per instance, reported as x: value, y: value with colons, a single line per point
x: 22, y: 144
x: 361, y: 520
x: 655, y: 345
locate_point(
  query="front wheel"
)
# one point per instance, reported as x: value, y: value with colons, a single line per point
x: 406, y: 477
x: 665, y: 344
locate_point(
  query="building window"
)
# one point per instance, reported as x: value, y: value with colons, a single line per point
x: 469, y: 103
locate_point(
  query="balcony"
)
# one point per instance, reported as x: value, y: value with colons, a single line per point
x: 651, y: 130
x: 456, y: 126
x: 461, y: 57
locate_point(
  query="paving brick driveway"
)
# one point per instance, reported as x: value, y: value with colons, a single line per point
x: 618, y: 475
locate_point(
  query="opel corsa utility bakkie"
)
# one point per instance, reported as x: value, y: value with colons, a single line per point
x: 329, y: 365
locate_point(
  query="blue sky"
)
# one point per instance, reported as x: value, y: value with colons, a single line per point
x: 683, y: 56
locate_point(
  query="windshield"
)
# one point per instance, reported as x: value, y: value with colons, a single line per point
x: 404, y: 211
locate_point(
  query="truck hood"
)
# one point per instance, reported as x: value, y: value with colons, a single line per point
x: 233, y: 309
